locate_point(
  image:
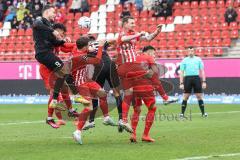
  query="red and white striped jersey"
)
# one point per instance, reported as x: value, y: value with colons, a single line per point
x: 127, y: 50
x: 80, y: 76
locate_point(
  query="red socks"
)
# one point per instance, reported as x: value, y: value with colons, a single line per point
x: 135, y: 118
x: 125, y: 106
x: 104, y: 106
x: 149, y: 120
x: 83, y: 118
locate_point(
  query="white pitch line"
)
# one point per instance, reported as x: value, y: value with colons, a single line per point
x: 41, y: 121
x: 19, y: 123
x: 211, y: 156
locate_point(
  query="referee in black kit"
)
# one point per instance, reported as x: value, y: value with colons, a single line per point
x: 190, y: 69
x: 45, y: 41
x: 105, y: 71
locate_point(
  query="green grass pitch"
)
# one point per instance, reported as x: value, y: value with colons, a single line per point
x: 219, y: 134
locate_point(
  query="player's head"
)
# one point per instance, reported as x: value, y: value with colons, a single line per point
x: 49, y: 12
x: 149, y: 50
x: 191, y: 51
x: 128, y: 23
x: 85, y: 44
x: 60, y: 28
x: 82, y: 43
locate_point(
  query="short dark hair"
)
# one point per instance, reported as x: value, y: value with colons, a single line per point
x: 146, y: 48
x: 47, y: 7
x: 125, y: 19
x: 59, y: 26
x: 82, y: 42
x: 91, y: 37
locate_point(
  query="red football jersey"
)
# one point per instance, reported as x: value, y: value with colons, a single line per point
x: 127, y: 50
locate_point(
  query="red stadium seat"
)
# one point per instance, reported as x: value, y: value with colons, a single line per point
x: 234, y: 34
x: 179, y: 35
x: 21, y: 32
x: 93, y: 8
x: 218, y: 52
x: 214, y: 19
x: 206, y: 27
x: 194, y: 4
x: 110, y: 15
x: 203, y: 12
x: 135, y: 14
x: 162, y: 44
x: 144, y: 21
x: 144, y: 14
x: 78, y: 15
x: 10, y: 47
x: 170, y: 35
x: 196, y: 27
x: 189, y: 42
x: 226, y: 42
x: 220, y: 4
x: 205, y: 19
x: 203, y: 4
x: 186, y: 12
x: 206, y: 34
x: 12, y: 39
x: 161, y: 36
x: 199, y: 52
x: 209, y: 52
x: 171, y: 45
x: 161, y: 20
x: 169, y: 20
x: 196, y: 19
x: 152, y: 21
x: 188, y: 35
x: 228, y: 3
x: 215, y: 27
x: 212, y: 4
x: 180, y: 44
x: 178, y: 27
x: 208, y: 43
x: 188, y: 27
x: 233, y: 26
x: 177, y: 12
x: 216, y: 34
x: 28, y: 32
x: 197, y: 35
x: 221, y: 11
x: 213, y: 11
x: 154, y: 43
x: 217, y: 42
x: 20, y: 39
x: 225, y: 34
x: 94, y: 2
x: 28, y: 39
x: 194, y: 12
x: 185, y: 4
x: 198, y: 43
x: 177, y: 5
x: 19, y: 47
x: 13, y: 32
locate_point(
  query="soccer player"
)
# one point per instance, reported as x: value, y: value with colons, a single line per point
x: 191, y: 68
x: 148, y: 56
x: 64, y: 95
x: 126, y: 58
x: 105, y: 71
x: 46, y: 39
x: 87, y: 87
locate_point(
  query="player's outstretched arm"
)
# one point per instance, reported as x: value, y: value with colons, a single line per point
x: 151, y: 36
x: 131, y: 37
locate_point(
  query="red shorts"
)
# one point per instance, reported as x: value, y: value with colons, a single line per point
x: 89, y: 89
x: 124, y: 69
x: 148, y: 101
x: 45, y: 74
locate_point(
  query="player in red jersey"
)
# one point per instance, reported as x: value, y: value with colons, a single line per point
x: 126, y: 61
x: 48, y: 76
x: 86, y: 87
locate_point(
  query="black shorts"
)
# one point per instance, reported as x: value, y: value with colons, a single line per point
x: 50, y: 60
x: 106, y: 71
x: 192, y: 83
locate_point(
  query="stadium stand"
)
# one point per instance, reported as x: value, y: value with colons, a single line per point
x: 195, y: 24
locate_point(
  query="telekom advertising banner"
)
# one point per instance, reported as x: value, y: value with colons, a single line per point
x: 213, y: 68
